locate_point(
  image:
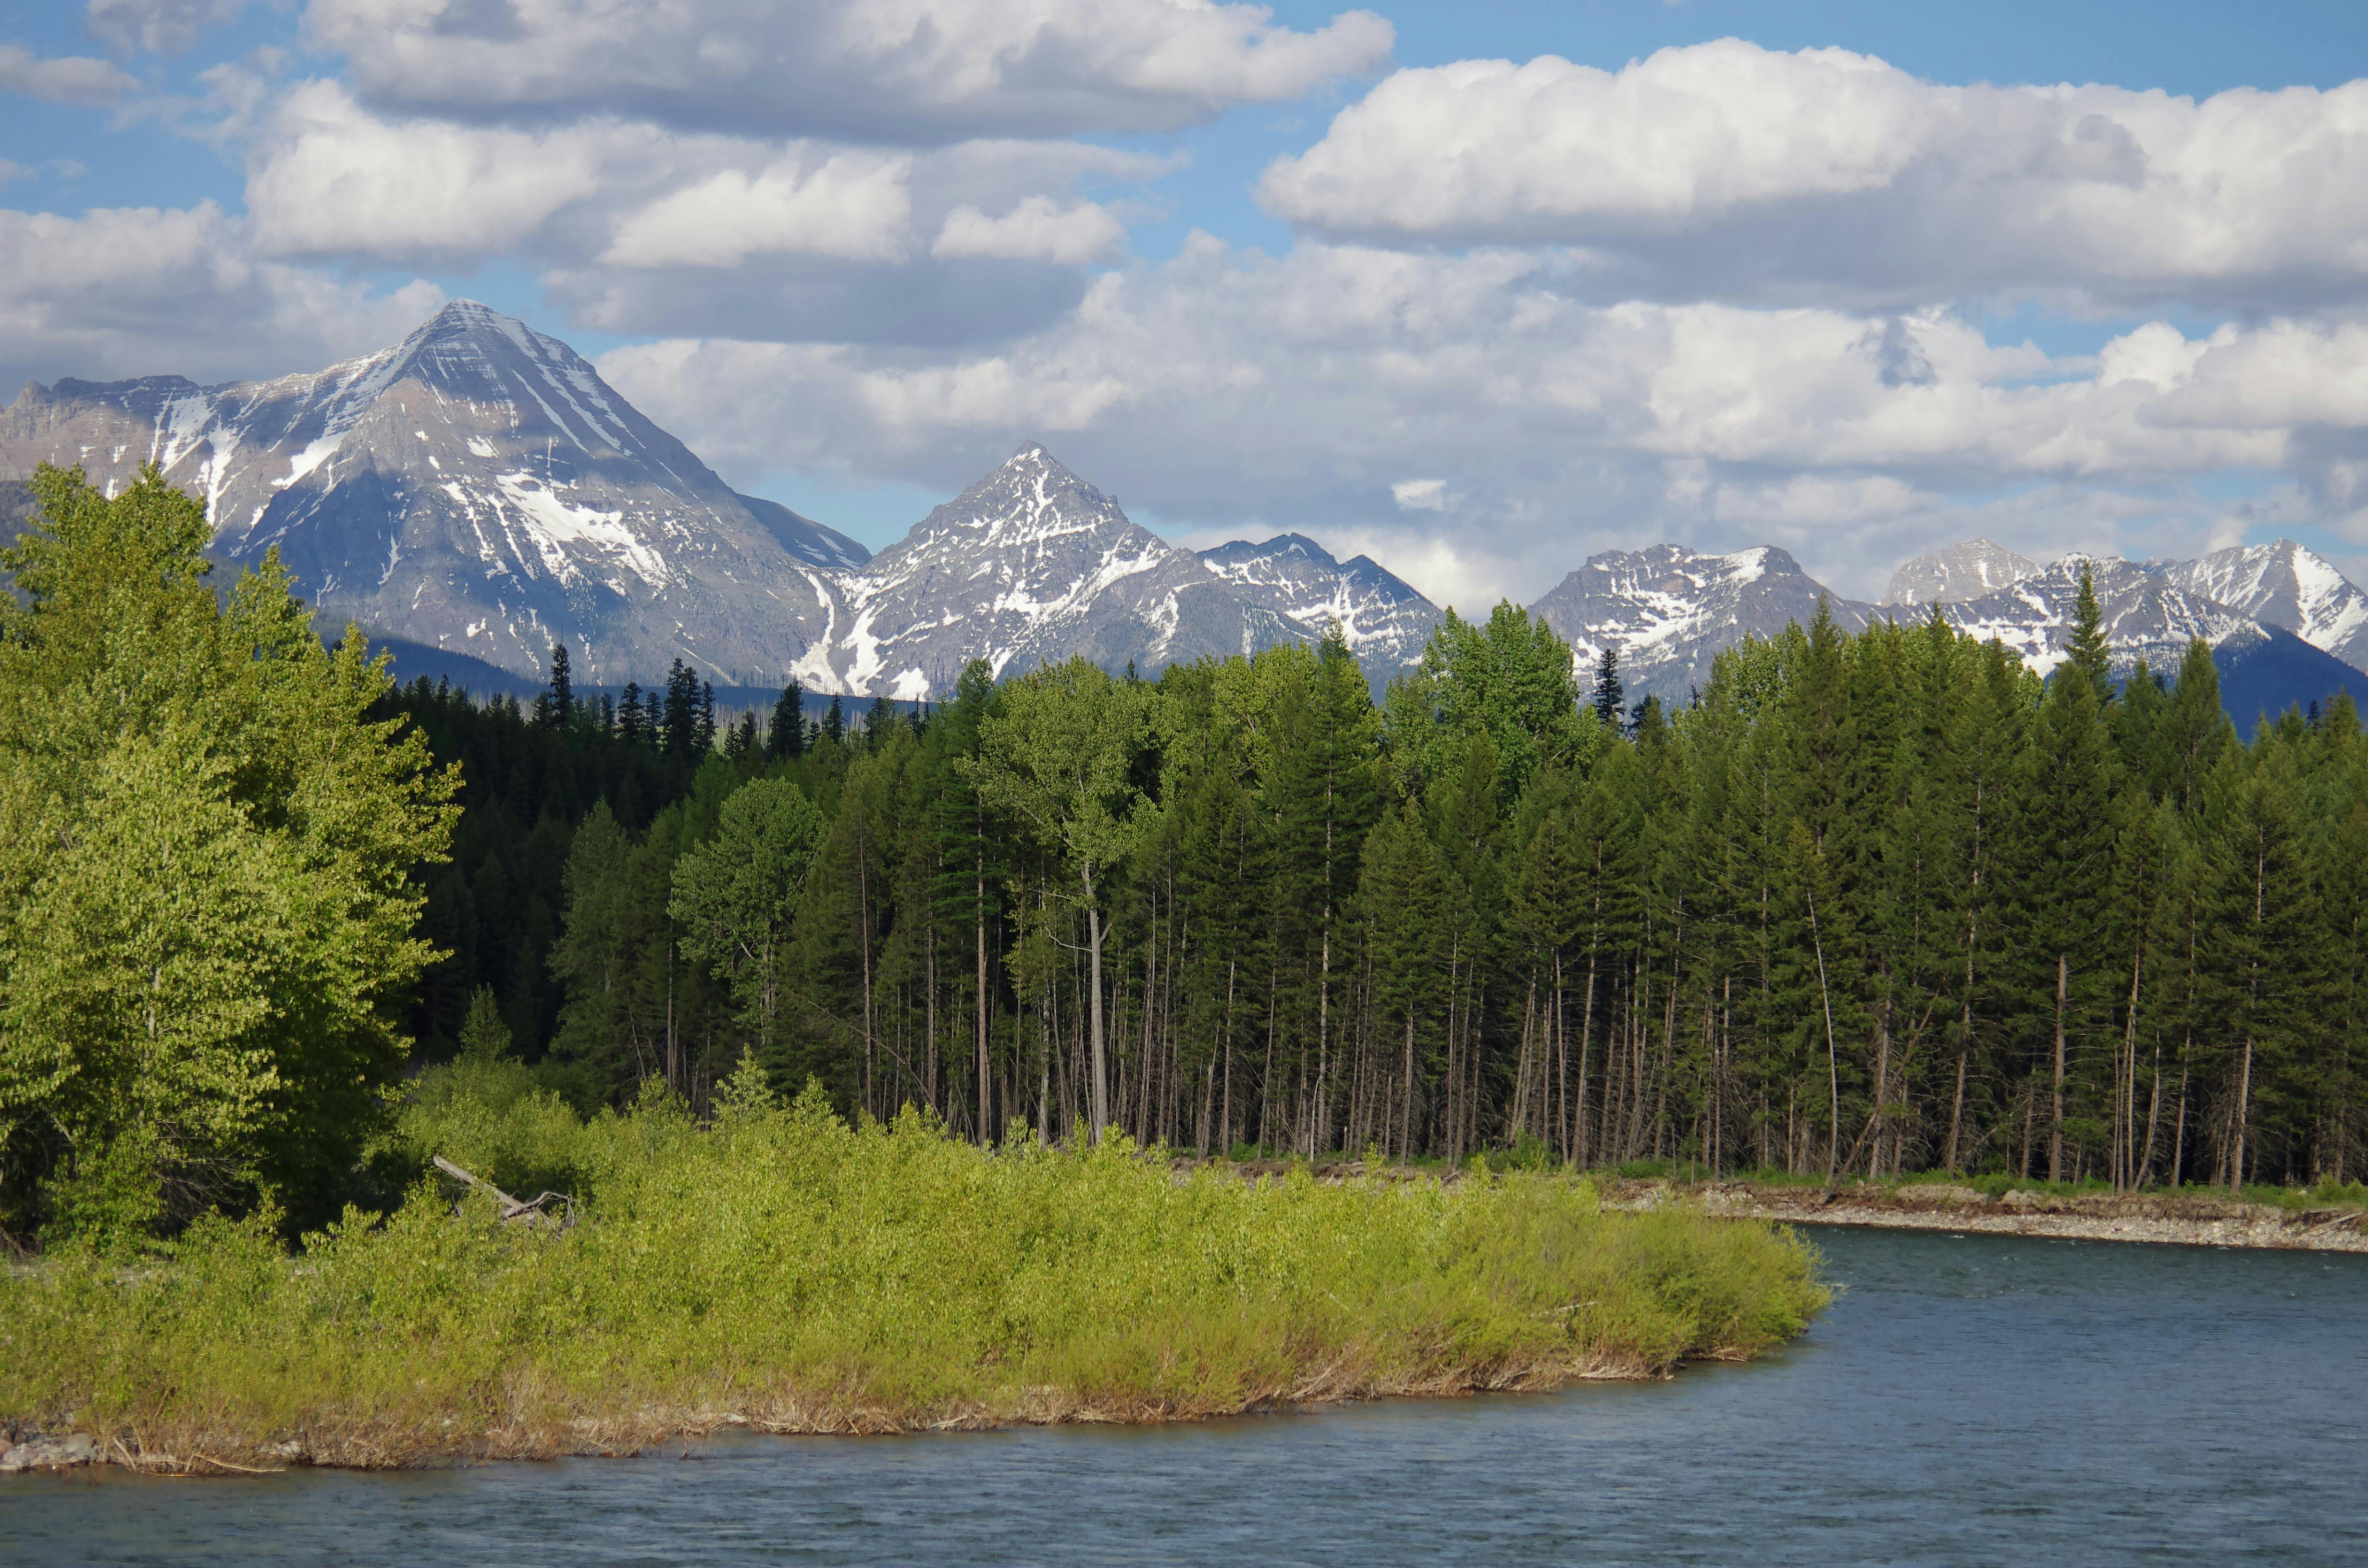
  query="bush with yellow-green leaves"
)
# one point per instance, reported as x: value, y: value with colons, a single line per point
x: 782, y: 1268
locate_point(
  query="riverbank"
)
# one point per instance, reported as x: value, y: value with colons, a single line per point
x: 2189, y: 1217
x: 782, y: 1271
x: 2186, y: 1218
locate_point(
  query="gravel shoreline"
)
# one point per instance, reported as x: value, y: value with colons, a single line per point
x: 2182, y: 1219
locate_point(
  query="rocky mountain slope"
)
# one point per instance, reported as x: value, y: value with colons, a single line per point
x: 1670, y: 610
x: 2146, y: 616
x: 477, y: 490
x: 1030, y: 564
x: 1966, y: 571
x: 2284, y: 585
x: 1384, y: 621
x: 476, y: 487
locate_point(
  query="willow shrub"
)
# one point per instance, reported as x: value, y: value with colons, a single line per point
x: 783, y: 1268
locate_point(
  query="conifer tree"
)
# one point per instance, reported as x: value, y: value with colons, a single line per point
x: 561, y: 694
x: 785, y: 739
x: 1608, y: 695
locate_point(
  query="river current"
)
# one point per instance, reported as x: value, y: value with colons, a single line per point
x: 1968, y: 1400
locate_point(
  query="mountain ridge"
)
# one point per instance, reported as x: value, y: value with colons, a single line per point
x: 478, y: 489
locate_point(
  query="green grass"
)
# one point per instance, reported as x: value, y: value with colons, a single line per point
x: 785, y: 1270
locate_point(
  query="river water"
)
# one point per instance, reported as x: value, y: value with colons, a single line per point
x: 1969, y: 1400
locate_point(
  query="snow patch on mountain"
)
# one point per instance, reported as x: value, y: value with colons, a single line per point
x: 1383, y: 620
x: 1670, y: 610
x: 475, y: 487
x: 1964, y: 570
x: 2286, y: 586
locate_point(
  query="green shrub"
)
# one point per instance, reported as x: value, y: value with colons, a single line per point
x: 782, y: 1267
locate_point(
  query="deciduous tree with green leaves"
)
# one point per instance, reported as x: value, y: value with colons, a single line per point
x: 207, y: 849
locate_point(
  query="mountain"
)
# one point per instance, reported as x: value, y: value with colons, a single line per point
x: 1966, y: 571
x: 1384, y: 621
x: 477, y: 488
x: 2146, y: 616
x: 2265, y: 672
x: 1030, y: 564
x: 2263, y: 668
x: 1670, y: 610
x: 2286, y: 585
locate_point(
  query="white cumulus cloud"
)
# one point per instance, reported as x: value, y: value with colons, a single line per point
x: 329, y: 177
x: 165, y: 27
x: 138, y: 292
x: 1226, y: 390
x: 67, y: 79
x: 854, y: 70
x: 1725, y: 170
x: 852, y: 206
x: 1038, y: 229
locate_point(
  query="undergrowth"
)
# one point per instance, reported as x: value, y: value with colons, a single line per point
x: 780, y: 1268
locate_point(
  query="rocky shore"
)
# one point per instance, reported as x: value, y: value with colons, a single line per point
x: 24, y: 1449
x: 2188, y: 1219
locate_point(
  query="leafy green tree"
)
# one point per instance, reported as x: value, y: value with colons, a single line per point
x: 484, y: 1033
x: 736, y: 894
x: 207, y: 853
x: 1508, y: 676
x: 1060, y: 758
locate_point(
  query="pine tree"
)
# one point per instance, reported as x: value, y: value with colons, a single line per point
x: 2069, y: 827
x: 629, y: 715
x: 1608, y: 695
x: 561, y: 694
x: 2087, y: 652
x: 678, y: 721
x: 785, y: 741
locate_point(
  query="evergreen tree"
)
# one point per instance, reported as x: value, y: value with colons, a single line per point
x: 629, y: 715
x: 560, y: 693
x: 785, y: 740
x: 1608, y: 692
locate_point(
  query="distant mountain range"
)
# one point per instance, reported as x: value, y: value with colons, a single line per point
x: 479, y: 491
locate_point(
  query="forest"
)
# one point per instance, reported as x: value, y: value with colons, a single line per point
x: 1867, y: 903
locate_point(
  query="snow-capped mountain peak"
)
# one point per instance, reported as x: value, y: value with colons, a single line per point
x: 476, y: 486
x: 1384, y: 621
x: 1669, y: 610
x: 1964, y: 570
x: 1029, y: 565
x: 2286, y: 586
x: 2145, y: 615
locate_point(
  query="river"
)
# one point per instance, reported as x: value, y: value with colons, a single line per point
x: 1969, y: 1400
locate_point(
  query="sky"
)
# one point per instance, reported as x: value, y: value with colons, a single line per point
x: 1479, y: 289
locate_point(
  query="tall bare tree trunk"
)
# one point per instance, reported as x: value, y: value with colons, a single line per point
x: 1833, y: 1056
x: 986, y: 1125
x: 2055, y: 1109
x: 1100, y: 1062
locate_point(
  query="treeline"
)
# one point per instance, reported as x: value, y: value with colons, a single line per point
x: 1869, y: 903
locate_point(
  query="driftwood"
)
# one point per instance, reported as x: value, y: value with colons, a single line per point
x: 533, y: 1211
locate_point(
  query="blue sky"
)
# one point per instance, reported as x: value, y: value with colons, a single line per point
x: 1298, y: 269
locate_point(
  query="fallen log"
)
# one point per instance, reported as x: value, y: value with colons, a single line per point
x: 530, y: 1210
